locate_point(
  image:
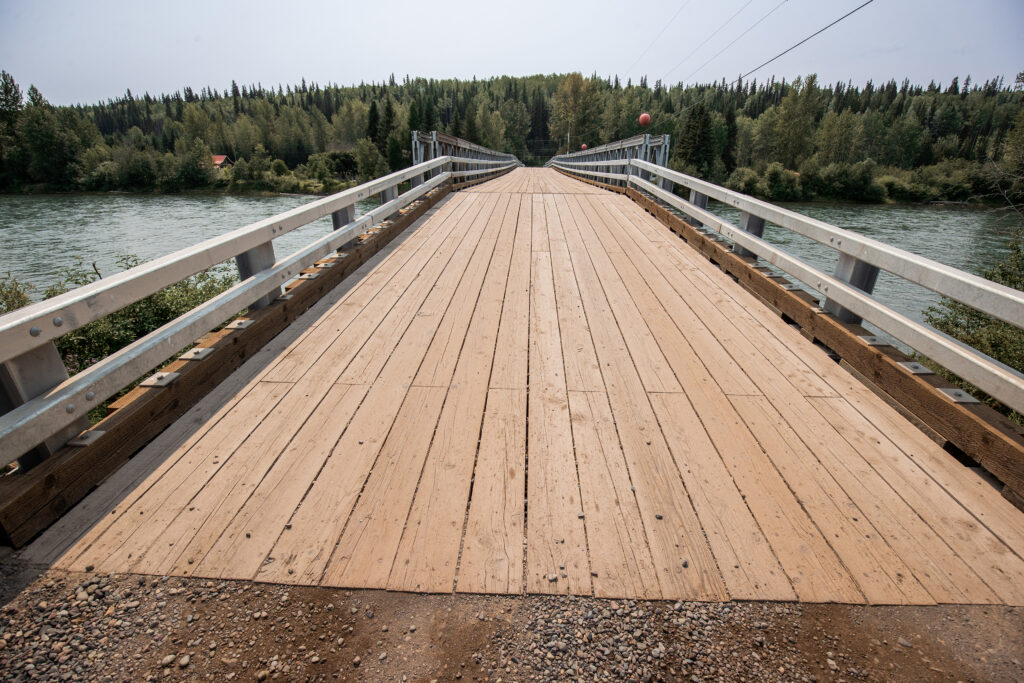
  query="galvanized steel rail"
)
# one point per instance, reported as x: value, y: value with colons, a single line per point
x: 846, y: 292
x: 27, y: 334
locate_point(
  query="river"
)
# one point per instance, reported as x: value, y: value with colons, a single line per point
x: 40, y: 234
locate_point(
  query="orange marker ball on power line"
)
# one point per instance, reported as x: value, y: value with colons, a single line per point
x: 583, y: 146
x: 645, y: 119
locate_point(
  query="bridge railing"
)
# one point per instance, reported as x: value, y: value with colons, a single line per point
x: 597, y: 162
x: 846, y: 292
x: 45, y: 408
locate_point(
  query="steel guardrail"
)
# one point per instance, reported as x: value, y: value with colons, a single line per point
x: 1005, y: 303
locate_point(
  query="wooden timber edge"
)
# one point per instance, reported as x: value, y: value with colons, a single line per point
x: 974, y: 429
x: 31, y: 502
x: 595, y: 183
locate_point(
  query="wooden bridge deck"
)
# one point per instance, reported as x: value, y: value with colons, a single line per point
x: 542, y: 389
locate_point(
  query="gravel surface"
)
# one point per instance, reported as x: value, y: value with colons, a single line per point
x: 56, y: 626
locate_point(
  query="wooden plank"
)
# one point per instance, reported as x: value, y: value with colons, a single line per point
x: 650, y: 361
x: 304, y: 547
x: 878, y: 544
x: 816, y: 573
x: 977, y: 495
x: 976, y: 428
x: 748, y: 564
x: 367, y: 548
x: 674, y: 535
x: 302, y: 399
x: 438, y: 365
x: 428, y: 556
x: 373, y: 300
x: 556, y: 543
x: 539, y: 240
x: 990, y: 558
x: 511, y: 353
x: 467, y: 355
x: 242, y: 546
x: 492, y: 552
x: 620, y: 559
x: 701, y: 310
x: 582, y: 372
x: 136, y: 524
x: 203, y: 509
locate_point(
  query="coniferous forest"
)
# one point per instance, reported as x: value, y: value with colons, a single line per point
x: 780, y: 140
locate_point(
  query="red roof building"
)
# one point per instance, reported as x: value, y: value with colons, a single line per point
x: 221, y: 160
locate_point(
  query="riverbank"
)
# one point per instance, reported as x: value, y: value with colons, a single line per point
x: 228, y: 190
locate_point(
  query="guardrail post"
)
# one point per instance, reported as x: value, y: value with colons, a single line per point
x: 418, y: 148
x: 386, y: 195
x: 253, y: 261
x: 661, y: 159
x: 701, y: 202
x: 752, y: 224
x: 341, y: 218
x: 861, y: 275
x: 29, y: 375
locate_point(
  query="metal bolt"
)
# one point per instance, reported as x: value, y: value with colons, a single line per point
x: 90, y: 396
x: 70, y: 408
x: 35, y: 331
x: 58, y: 321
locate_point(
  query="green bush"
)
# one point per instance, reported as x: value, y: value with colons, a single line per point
x: 900, y: 187
x: 783, y: 184
x: 91, y: 343
x: 13, y: 294
x: 851, y: 181
x: 747, y: 181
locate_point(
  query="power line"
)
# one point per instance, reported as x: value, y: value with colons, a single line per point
x: 819, y: 31
x: 789, y: 49
x: 660, y: 34
x: 692, y: 52
x: 735, y: 40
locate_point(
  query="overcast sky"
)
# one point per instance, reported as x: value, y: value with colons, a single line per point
x: 89, y: 51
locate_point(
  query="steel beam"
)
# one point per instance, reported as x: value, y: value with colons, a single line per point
x: 253, y: 261
x: 861, y: 275
x: 29, y: 375
x: 755, y: 226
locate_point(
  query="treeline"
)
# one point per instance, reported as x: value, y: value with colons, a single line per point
x: 775, y: 139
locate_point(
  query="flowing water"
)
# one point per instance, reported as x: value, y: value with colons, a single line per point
x: 41, y: 234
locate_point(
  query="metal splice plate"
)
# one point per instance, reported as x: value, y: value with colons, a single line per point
x: 307, y: 276
x: 915, y: 368
x: 86, y: 438
x: 238, y: 324
x: 873, y: 341
x: 958, y: 395
x: 160, y: 379
x: 283, y: 297
x: 196, y: 353
x: 790, y: 287
x: 329, y: 264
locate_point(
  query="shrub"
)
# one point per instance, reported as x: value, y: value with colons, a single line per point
x: 856, y: 182
x: 279, y: 168
x: 783, y: 184
x: 90, y: 343
x: 13, y: 294
x: 747, y: 181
